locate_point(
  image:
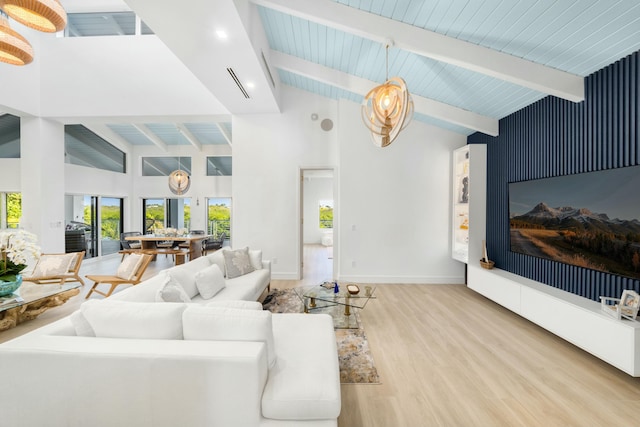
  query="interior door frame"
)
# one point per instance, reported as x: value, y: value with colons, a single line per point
x: 301, y: 172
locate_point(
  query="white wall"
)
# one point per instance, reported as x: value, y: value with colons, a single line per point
x: 398, y: 198
x: 315, y: 190
x: 269, y: 150
x: 395, y: 204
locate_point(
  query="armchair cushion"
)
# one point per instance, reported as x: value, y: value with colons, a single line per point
x: 129, y: 266
x: 53, y: 265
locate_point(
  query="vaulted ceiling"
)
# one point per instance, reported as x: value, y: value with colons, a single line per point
x: 467, y: 63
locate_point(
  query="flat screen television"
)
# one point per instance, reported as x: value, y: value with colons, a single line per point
x: 587, y: 219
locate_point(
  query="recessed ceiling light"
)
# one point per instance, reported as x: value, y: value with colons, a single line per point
x: 222, y: 34
x: 251, y: 85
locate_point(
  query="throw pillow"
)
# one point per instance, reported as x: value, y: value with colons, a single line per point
x: 241, y: 304
x: 255, y: 255
x: 171, y: 291
x: 81, y: 325
x: 129, y: 266
x: 210, y: 281
x: 237, y: 262
x: 53, y: 265
x: 218, y: 259
x: 125, y: 319
x: 185, y: 274
x: 229, y: 324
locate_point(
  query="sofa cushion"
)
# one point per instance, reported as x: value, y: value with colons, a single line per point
x: 171, y: 291
x: 81, y: 325
x: 125, y: 319
x: 244, y: 305
x: 229, y: 324
x: 307, y: 354
x: 129, y: 266
x: 218, y: 259
x: 237, y: 262
x: 210, y: 281
x: 53, y: 265
x: 255, y: 256
x: 185, y: 274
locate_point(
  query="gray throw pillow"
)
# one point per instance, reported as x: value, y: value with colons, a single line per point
x: 237, y: 262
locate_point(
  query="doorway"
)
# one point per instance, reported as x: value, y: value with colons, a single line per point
x: 316, y: 225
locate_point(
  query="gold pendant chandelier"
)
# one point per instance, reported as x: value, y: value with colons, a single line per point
x: 43, y: 15
x: 179, y: 181
x: 387, y: 109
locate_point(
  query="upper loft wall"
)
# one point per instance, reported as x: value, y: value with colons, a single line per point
x: 552, y: 138
x: 118, y: 76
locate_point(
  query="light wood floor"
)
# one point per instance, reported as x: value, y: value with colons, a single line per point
x: 449, y: 357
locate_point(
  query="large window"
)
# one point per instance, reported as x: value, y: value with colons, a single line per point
x: 219, y: 166
x: 110, y: 224
x: 84, y: 148
x: 219, y: 217
x: 163, y: 166
x: 166, y: 213
x: 9, y: 136
x: 104, y: 24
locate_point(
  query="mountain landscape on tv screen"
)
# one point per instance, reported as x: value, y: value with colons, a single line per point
x: 579, y: 237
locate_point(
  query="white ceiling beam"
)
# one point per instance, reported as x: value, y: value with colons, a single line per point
x: 426, y: 106
x: 190, y: 136
x: 151, y: 136
x: 225, y: 133
x: 436, y: 46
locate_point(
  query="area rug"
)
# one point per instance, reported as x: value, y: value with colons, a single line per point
x: 354, y: 355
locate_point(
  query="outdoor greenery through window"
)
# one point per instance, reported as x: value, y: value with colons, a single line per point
x: 219, y: 217
x: 326, y: 213
x: 12, y: 209
x: 166, y: 213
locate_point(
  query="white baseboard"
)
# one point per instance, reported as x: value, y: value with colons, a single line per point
x: 431, y: 280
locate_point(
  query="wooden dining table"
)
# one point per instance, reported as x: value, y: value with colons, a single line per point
x: 149, y: 242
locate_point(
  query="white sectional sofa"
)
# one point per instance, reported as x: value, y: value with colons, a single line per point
x: 215, y: 362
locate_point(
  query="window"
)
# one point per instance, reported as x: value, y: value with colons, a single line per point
x: 11, y: 207
x: 104, y: 24
x: 163, y: 166
x: 9, y: 136
x: 326, y: 213
x: 219, y: 217
x: 219, y: 166
x: 166, y: 213
x: 110, y: 224
x: 84, y: 148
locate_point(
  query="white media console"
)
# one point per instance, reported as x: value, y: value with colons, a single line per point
x: 576, y: 319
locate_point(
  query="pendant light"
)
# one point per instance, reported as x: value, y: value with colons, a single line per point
x: 43, y: 15
x: 14, y: 49
x: 387, y: 109
x: 179, y: 181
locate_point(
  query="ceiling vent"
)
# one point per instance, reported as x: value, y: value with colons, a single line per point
x: 266, y: 67
x: 235, y: 79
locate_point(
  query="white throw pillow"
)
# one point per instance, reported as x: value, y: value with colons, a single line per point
x: 235, y: 303
x: 125, y: 319
x: 237, y: 262
x: 229, y: 324
x: 185, y: 274
x: 53, y: 265
x: 171, y: 291
x: 129, y: 266
x: 210, y: 281
x: 255, y: 255
x: 81, y: 325
x: 218, y: 259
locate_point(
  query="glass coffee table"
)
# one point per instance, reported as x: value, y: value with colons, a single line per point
x: 342, y: 306
x: 32, y: 299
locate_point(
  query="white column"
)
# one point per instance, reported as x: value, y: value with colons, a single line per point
x: 42, y: 176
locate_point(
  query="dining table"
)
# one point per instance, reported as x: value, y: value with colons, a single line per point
x: 149, y: 242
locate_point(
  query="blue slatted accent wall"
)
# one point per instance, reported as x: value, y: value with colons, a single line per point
x: 554, y: 137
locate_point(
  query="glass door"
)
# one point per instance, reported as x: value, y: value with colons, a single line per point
x: 153, y: 214
x: 110, y: 224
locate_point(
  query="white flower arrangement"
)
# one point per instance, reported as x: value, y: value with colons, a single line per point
x: 16, y: 248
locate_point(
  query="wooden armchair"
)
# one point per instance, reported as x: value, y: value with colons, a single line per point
x: 44, y: 275
x: 129, y: 272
